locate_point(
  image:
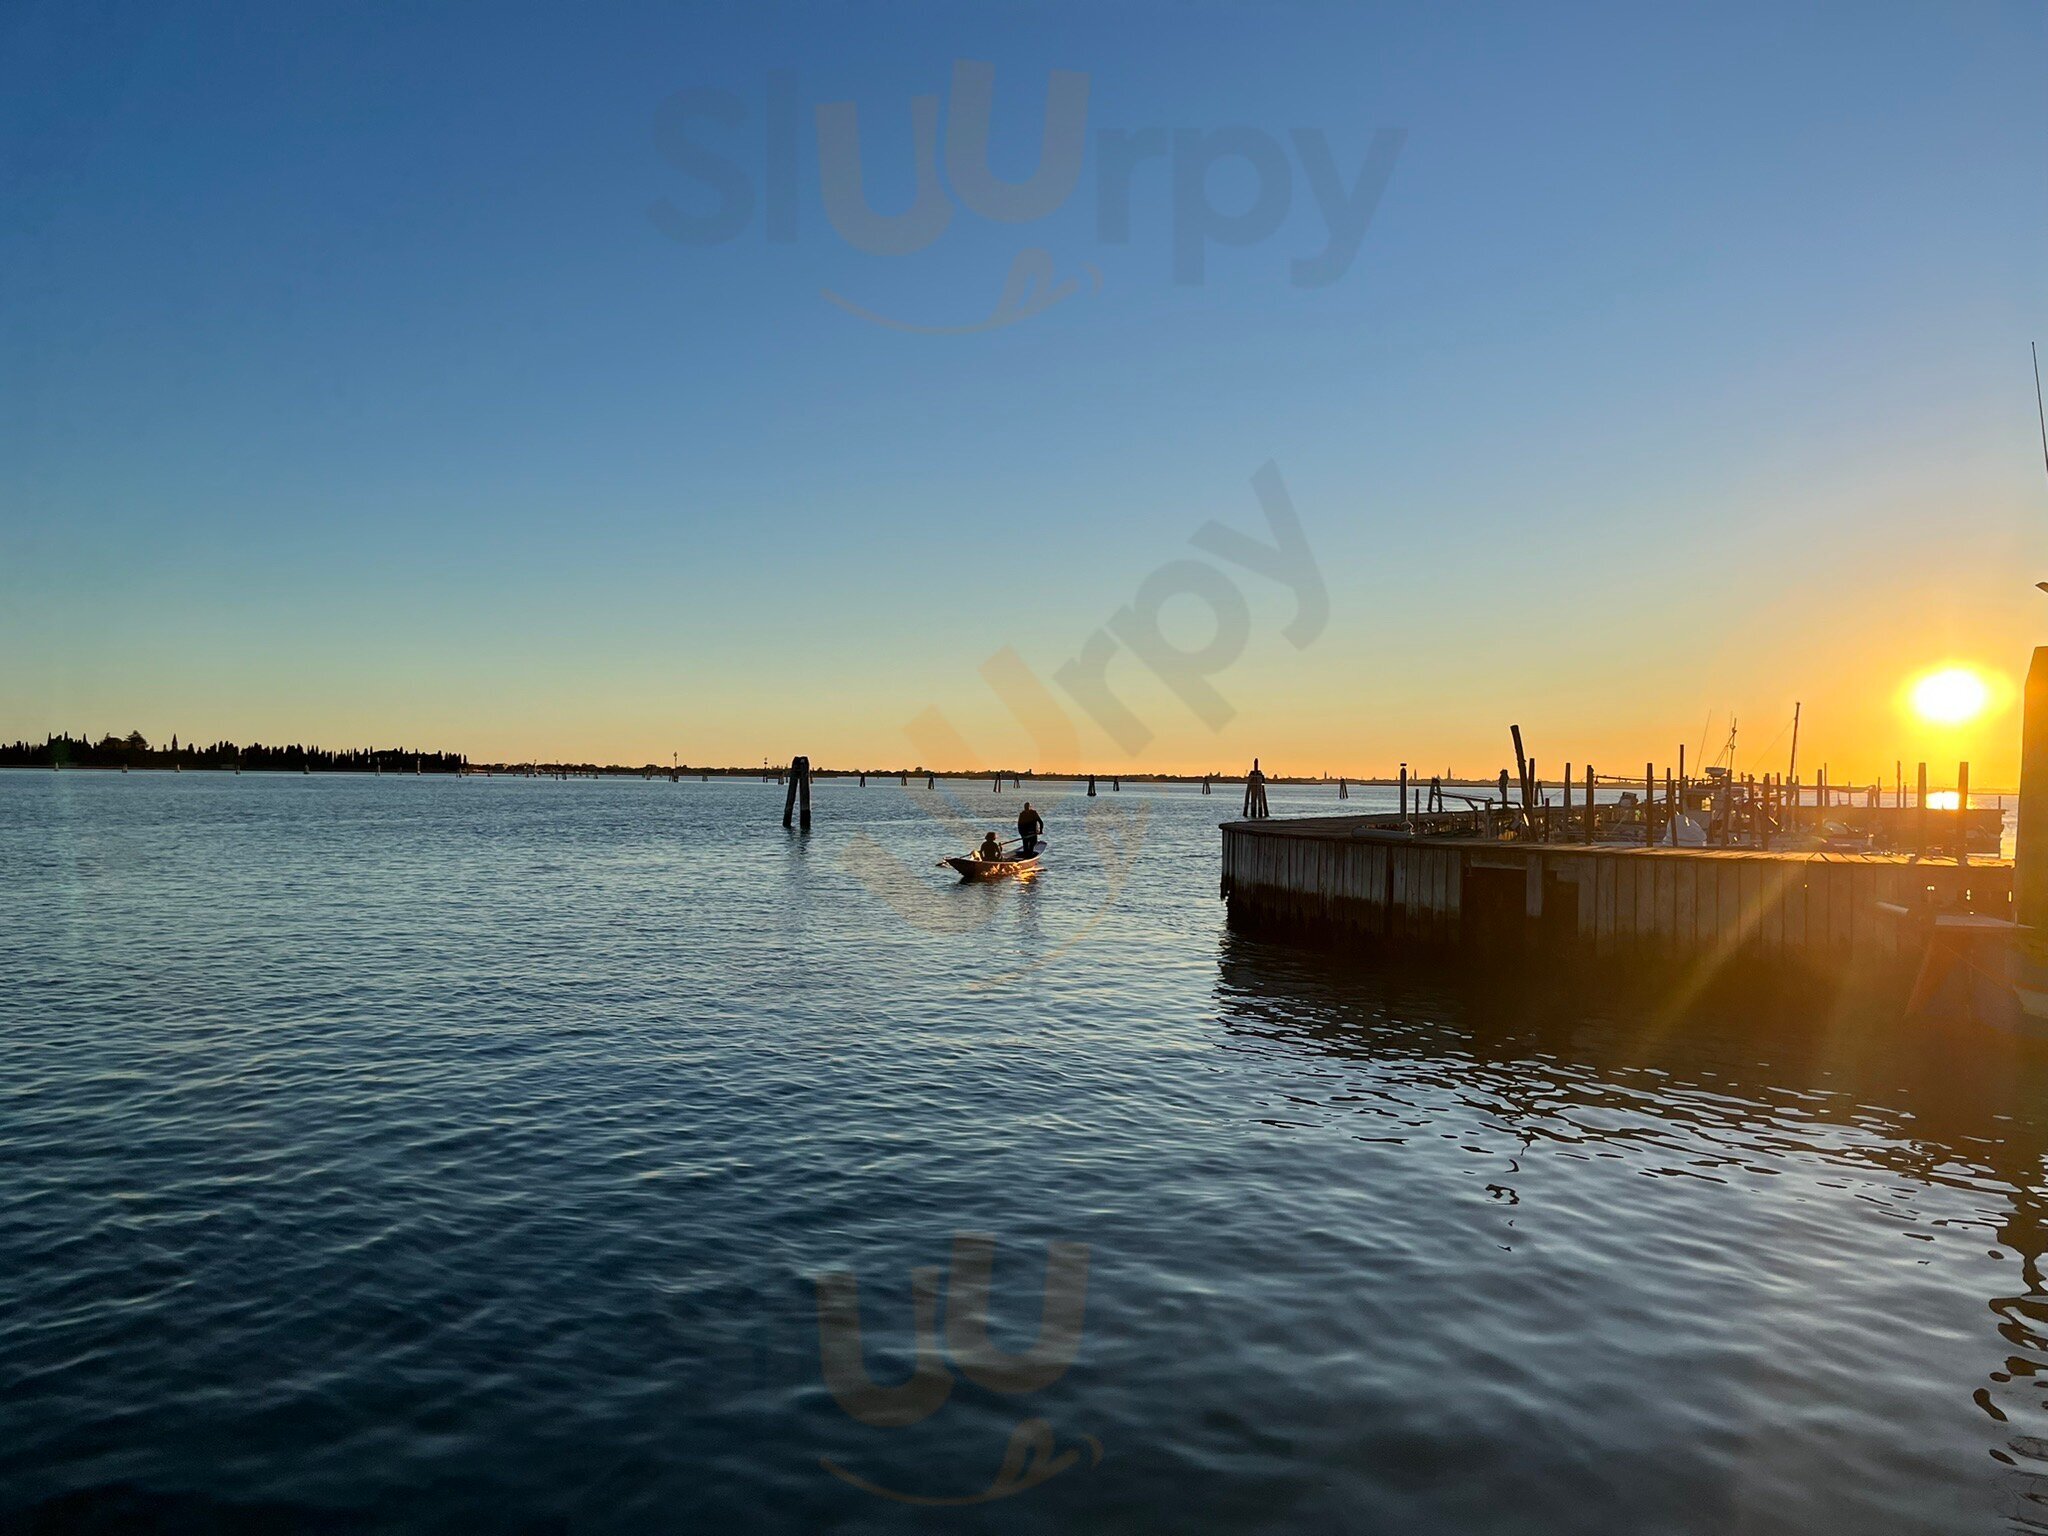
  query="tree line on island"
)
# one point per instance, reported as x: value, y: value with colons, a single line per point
x: 135, y: 751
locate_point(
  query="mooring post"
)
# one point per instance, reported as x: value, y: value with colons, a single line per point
x: 1920, y: 815
x: 2030, y: 843
x: 1962, y: 813
x: 1091, y: 786
x: 1521, y: 765
x: 1404, y: 791
x: 799, y: 797
x: 1566, y: 824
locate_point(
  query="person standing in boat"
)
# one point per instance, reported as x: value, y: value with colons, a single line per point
x: 1030, y: 827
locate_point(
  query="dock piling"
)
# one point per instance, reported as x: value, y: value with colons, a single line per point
x: 2030, y: 843
x: 1962, y: 812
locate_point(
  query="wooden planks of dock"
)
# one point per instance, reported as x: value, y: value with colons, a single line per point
x: 1360, y: 882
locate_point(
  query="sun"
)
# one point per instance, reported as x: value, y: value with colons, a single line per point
x: 1951, y: 696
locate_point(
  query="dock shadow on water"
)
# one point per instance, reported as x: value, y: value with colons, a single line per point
x: 1773, y: 1230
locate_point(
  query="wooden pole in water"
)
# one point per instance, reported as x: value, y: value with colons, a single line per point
x: 1404, y: 791
x: 789, y: 800
x: 1521, y: 765
x: 1567, y: 822
x: 1920, y: 817
x: 1590, y: 815
x: 1649, y: 804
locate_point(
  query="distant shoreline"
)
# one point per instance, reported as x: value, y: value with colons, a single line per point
x: 405, y: 768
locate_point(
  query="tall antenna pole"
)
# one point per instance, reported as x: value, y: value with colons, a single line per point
x: 2039, y: 413
x: 1792, y: 768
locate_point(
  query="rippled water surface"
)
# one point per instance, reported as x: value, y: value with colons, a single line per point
x: 464, y: 1155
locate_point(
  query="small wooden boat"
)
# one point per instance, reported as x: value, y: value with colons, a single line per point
x: 972, y: 867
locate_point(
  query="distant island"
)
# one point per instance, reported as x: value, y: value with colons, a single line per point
x: 135, y: 751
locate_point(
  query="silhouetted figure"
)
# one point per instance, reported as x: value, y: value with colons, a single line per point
x: 991, y: 849
x: 1030, y: 827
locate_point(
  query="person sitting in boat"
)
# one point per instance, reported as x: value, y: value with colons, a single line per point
x: 991, y: 850
x: 1030, y: 827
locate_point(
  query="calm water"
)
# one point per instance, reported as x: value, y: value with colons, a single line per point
x: 418, y: 1154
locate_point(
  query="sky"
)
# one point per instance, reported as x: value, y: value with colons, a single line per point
x: 551, y: 383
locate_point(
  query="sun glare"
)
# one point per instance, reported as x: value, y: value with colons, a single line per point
x: 1951, y: 696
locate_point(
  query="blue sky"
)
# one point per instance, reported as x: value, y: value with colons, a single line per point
x: 350, y: 391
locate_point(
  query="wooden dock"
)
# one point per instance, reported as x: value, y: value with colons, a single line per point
x: 1366, y: 882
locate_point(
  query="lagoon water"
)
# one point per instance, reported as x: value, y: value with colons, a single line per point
x: 463, y: 1155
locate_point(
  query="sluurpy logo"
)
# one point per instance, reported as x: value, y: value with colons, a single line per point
x: 704, y: 133
x: 1033, y: 1455
x: 1135, y: 633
